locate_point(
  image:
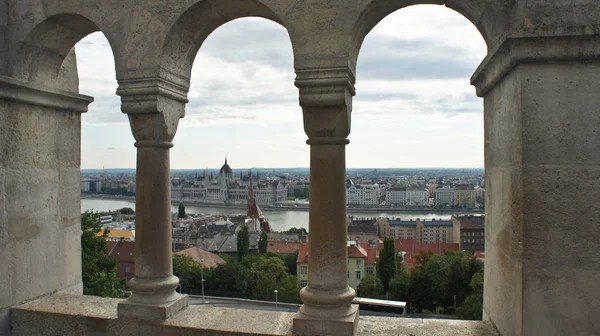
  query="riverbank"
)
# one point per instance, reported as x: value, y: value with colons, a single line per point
x: 267, y: 208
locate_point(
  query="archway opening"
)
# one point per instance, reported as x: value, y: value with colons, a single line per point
x: 418, y: 122
x: 243, y: 128
x: 106, y: 138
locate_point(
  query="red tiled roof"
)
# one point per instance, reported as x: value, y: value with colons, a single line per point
x: 303, y: 254
x: 283, y: 246
x: 124, y: 252
x: 371, y: 253
x: 207, y: 259
x: 355, y: 251
x: 410, y: 248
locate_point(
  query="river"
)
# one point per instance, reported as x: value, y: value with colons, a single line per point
x: 280, y: 220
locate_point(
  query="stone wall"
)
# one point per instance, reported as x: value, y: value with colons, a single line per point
x: 39, y: 199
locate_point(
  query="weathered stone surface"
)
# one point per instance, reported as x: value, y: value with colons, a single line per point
x: 310, y: 326
x: 154, y: 312
x: 81, y: 315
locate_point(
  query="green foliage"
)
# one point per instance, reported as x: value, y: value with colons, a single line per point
x: 189, y: 273
x: 250, y: 259
x: 400, y: 286
x: 291, y: 262
x: 387, y: 265
x: 243, y: 242
x: 472, y: 307
x: 126, y: 211
x: 437, y: 279
x: 263, y: 242
x: 231, y: 277
x: 266, y: 274
x: 295, y: 230
x: 288, y: 289
x: 98, y: 268
x: 370, y: 287
x: 181, y: 211
x: 302, y: 193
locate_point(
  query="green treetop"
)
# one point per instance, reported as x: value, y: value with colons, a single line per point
x: 98, y: 268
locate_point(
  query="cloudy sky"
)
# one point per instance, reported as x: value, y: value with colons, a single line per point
x: 414, y: 106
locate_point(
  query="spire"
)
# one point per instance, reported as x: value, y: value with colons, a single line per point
x: 225, y: 159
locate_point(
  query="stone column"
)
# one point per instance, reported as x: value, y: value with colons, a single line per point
x: 154, y: 115
x: 542, y: 274
x: 326, y: 100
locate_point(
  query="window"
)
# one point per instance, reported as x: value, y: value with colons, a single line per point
x: 369, y: 269
x: 357, y: 275
x: 303, y: 270
x: 358, y: 262
x: 302, y: 283
x: 127, y: 270
x: 348, y: 274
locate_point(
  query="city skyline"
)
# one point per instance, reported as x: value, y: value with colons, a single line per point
x: 414, y: 106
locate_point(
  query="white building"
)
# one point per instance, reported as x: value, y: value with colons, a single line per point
x: 445, y: 197
x: 408, y: 197
x: 365, y: 194
x: 225, y: 189
x: 91, y: 186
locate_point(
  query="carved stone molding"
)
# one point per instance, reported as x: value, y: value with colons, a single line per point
x: 526, y: 49
x: 151, y: 95
x: 325, y: 86
x: 38, y: 95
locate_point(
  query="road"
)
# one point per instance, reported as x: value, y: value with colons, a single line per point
x: 264, y: 305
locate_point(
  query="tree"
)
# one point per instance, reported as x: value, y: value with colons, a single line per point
x: 126, y: 211
x: 181, y: 211
x: 263, y: 242
x: 400, y: 286
x: 266, y: 275
x: 98, y: 268
x: 288, y: 289
x: 472, y: 307
x: 243, y: 242
x: 370, y: 287
x: 291, y: 261
x: 189, y: 273
x: 387, y: 265
x: 231, y: 277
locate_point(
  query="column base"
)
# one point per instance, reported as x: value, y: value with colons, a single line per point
x: 305, y: 325
x: 152, y: 312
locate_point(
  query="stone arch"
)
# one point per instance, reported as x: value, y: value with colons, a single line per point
x: 192, y: 28
x: 479, y: 12
x: 48, y: 49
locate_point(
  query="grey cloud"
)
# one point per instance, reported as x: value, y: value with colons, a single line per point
x: 384, y: 57
x: 254, y: 40
x: 111, y: 148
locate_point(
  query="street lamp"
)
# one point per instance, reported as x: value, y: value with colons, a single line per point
x: 276, y: 297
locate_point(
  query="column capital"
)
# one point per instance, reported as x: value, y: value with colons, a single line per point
x: 154, y: 106
x: 326, y: 100
x: 529, y: 48
x: 152, y: 95
x: 325, y: 86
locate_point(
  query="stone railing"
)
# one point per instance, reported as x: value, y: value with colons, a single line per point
x: 88, y: 315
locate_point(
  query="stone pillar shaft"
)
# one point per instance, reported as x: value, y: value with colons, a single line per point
x: 327, y: 254
x: 153, y: 254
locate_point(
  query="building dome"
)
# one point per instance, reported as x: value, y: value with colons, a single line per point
x: 225, y: 169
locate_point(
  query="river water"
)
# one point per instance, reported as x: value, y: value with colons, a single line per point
x: 280, y: 220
